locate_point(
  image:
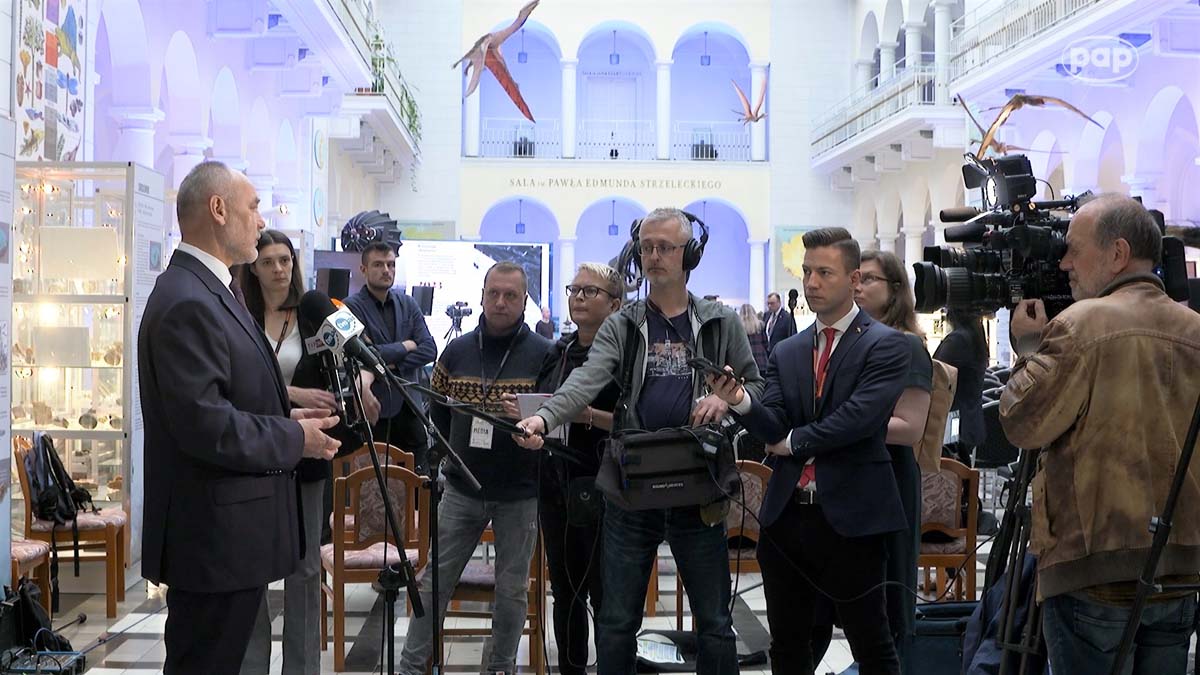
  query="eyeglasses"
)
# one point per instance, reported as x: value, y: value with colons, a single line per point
x: 589, y: 292
x: 663, y: 249
x: 871, y: 278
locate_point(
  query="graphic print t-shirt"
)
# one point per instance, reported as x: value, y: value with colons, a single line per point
x: 666, y: 398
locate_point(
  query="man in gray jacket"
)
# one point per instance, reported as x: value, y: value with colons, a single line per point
x: 673, y: 326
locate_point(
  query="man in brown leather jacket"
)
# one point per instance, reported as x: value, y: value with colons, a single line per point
x: 1107, y: 389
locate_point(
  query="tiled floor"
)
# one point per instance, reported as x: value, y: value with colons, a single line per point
x: 132, y: 643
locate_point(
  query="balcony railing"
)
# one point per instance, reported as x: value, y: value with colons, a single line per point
x: 870, y: 105
x: 615, y: 139
x: 391, y: 88
x: 356, y: 20
x: 713, y: 141
x: 520, y: 138
x: 980, y: 36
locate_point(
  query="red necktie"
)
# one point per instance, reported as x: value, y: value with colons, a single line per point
x: 810, y: 470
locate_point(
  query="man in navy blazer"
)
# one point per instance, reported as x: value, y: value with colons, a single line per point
x: 832, y: 496
x: 221, y: 518
x: 778, y: 323
x: 396, y: 326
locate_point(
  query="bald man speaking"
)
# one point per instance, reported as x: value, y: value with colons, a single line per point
x: 222, y: 443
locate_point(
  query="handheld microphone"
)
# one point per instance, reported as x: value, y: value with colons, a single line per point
x: 339, y: 330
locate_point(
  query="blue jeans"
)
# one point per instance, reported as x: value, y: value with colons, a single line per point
x: 701, y: 552
x: 461, y: 521
x: 1082, y: 635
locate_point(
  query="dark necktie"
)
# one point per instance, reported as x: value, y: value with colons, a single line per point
x: 236, y: 288
x: 809, y: 473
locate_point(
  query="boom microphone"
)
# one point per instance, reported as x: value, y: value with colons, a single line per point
x: 339, y: 329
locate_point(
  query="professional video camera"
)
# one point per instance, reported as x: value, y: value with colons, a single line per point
x: 458, y: 310
x: 1019, y: 258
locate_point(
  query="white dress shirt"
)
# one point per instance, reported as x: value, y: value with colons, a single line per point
x: 841, y: 326
x: 218, y: 268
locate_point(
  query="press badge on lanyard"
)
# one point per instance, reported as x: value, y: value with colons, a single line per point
x: 481, y: 434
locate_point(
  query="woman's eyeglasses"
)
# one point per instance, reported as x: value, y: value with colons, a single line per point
x: 589, y: 292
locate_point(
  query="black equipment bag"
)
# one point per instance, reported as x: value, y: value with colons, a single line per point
x: 642, y: 470
x: 937, y: 647
x: 25, y: 623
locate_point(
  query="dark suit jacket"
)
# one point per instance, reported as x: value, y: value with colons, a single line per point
x: 409, y: 325
x: 221, y: 499
x: 784, y: 328
x: 855, y: 485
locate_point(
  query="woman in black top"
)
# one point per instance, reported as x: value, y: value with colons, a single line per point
x: 966, y: 348
x: 884, y: 293
x: 272, y: 286
x: 571, y: 507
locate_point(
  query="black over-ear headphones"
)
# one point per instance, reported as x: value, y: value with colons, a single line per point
x: 693, y: 250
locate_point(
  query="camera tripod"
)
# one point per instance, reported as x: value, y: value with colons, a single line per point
x: 1161, y: 527
x: 1024, y: 652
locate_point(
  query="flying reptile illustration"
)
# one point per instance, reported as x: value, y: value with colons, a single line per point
x: 1017, y: 102
x: 486, y: 52
x: 1001, y: 148
x: 747, y: 115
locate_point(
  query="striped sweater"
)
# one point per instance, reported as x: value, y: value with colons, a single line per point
x: 506, y: 471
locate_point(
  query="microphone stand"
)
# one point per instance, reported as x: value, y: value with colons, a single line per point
x: 434, y: 484
x: 391, y: 577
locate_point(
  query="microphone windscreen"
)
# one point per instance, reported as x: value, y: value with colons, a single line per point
x: 315, y: 306
x: 958, y: 214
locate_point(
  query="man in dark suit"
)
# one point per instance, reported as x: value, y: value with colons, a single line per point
x: 221, y: 518
x: 824, y: 414
x: 778, y: 323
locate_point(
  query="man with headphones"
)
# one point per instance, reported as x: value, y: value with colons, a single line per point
x: 652, y: 340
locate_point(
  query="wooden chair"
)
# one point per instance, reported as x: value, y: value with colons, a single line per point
x: 107, y: 528
x: 349, y: 463
x: 941, y: 511
x: 361, y: 459
x: 356, y: 557
x: 32, y: 558
x: 478, y: 585
x: 741, y: 526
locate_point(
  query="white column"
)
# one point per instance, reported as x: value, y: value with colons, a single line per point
x: 264, y: 186
x: 758, y: 130
x: 663, y: 109
x: 135, y: 141
x: 862, y: 76
x: 758, y: 273
x: 912, y: 43
x: 942, y: 18
x: 913, y: 248
x: 887, y: 60
x: 1145, y: 185
x: 887, y: 241
x: 471, y: 123
x: 939, y: 232
x: 566, y: 272
x: 188, y: 152
x: 286, y: 201
x: 569, y: 106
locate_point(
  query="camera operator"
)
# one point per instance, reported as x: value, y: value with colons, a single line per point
x: 665, y: 393
x: 1106, y: 389
x: 394, y: 322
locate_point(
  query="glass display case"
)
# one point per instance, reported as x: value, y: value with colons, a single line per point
x: 79, y: 277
